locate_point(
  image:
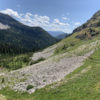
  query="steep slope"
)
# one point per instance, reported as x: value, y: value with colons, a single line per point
x: 23, y: 36
x: 73, y: 68
x: 90, y: 29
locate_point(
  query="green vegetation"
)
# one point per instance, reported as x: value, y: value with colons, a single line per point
x: 30, y: 87
x: 44, y: 80
x: 37, y: 61
x: 92, y: 30
x: 94, y: 33
x: 2, y: 80
x: 98, y: 24
x: 6, y: 48
x: 15, y: 61
x: 22, y: 36
x: 83, y: 83
x: 84, y: 25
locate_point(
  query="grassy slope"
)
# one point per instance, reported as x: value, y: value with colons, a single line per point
x: 82, y: 84
x: 13, y: 62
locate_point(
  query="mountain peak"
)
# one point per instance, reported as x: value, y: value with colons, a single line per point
x: 26, y: 37
x: 96, y: 15
x: 92, y: 22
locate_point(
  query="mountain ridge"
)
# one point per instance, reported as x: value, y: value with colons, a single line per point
x: 94, y: 18
x: 62, y: 36
x: 55, y: 33
x: 24, y: 36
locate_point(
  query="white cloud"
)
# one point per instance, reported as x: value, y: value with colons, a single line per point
x: 11, y: 12
x: 56, y: 20
x: 21, y: 14
x: 67, y: 24
x: 62, y: 29
x: 29, y: 14
x: 26, y: 20
x: 83, y: 22
x: 35, y: 20
x: 68, y: 14
x: 65, y: 18
x: 18, y: 5
x: 65, y: 27
x: 27, y: 17
x: 57, y: 23
x: 67, y: 30
x: 44, y: 20
x: 76, y: 23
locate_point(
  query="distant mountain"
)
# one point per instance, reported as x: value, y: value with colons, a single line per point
x: 61, y: 36
x: 15, y: 33
x: 55, y: 33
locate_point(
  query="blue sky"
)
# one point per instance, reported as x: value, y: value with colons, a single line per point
x: 52, y: 15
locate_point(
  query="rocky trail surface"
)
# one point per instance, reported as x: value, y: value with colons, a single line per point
x: 46, y: 72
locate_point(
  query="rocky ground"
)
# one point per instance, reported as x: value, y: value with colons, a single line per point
x: 45, y: 72
x: 45, y: 53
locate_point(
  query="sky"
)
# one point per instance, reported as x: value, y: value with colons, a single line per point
x: 51, y: 15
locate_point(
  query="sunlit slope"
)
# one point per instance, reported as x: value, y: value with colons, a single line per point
x: 81, y: 84
x: 86, y: 33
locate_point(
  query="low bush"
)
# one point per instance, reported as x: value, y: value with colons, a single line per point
x: 16, y: 62
x: 98, y: 24
x: 84, y: 25
x: 94, y: 33
x: 2, y: 80
x: 30, y: 87
x: 39, y: 60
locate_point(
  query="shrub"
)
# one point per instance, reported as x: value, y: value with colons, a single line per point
x: 44, y: 80
x: 3, y: 80
x: 72, y: 44
x: 40, y: 59
x: 30, y: 87
x: 94, y: 33
x: 64, y: 47
x: 81, y: 36
x: 56, y: 50
x: 26, y: 59
x: 85, y: 33
x: 84, y: 25
x: 98, y: 24
x: 92, y: 30
x: 94, y: 18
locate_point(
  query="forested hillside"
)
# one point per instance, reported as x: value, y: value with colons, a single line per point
x: 24, y: 36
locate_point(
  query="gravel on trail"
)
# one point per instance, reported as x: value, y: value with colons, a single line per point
x: 45, y: 53
x: 46, y: 72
